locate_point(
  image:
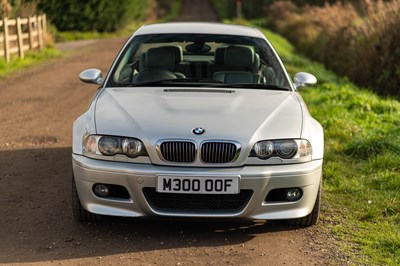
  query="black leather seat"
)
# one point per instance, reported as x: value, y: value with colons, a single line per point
x: 163, y: 57
x: 238, y: 66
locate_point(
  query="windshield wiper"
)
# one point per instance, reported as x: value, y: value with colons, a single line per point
x: 207, y: 82
x: 173, y: 81
x: 256, y: 86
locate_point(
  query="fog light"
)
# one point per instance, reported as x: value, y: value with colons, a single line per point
x: 101, y: 190
x: 293, y: 194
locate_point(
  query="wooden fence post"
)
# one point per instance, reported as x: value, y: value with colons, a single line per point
x: 6, y: 43
x: 20, y: 40
x: 40, y: 31
x: 44, y: 21
x: 30, y: 33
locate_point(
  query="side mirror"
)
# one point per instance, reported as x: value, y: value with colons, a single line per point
x: 92, y: 76
x: 302, y: 79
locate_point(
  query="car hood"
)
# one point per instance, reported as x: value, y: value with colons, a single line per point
x: 242, y: 115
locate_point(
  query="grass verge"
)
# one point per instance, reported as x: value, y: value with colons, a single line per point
x: 31, y: 58
x: 362, y: 161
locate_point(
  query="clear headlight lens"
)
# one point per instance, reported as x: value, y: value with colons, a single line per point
x: 132, y: 147
x: 264, y: 149
x: 111, y: 145
x: 284, y: 149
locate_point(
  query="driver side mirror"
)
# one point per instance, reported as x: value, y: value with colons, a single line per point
x: 302, y: 79
x: 92, y: 76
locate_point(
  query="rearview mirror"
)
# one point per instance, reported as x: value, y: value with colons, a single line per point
x: 302, y: 79
x: 92, y: 76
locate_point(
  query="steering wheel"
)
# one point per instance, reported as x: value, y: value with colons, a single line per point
x: 155, y: 73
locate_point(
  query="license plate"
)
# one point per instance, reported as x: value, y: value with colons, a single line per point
x: 198, y: 185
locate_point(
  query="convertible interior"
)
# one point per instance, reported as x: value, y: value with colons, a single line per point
x: 212, y: 62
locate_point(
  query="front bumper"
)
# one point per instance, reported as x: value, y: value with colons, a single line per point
x: 135, y: 177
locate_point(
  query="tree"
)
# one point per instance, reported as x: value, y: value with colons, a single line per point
x: 93, y: 15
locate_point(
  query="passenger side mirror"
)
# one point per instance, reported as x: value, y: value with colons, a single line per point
x: 302, y: 79
x: 92, y: 76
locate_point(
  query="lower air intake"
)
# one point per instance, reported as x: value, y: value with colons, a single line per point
x: 197, y: 203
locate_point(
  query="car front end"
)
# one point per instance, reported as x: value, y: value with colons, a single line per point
x: 214, y: 147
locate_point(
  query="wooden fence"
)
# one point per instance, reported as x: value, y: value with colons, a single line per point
x: 21, y: 34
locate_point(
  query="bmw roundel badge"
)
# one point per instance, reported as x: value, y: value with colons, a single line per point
x: 198, y: 130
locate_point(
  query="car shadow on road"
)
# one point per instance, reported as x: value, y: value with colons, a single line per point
x: 36, y: 222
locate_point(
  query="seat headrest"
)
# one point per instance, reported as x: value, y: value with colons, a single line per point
x: 256, y: 63
x: 239, y: 56
x: 166, y: 56
x: 219, y: 56
x: 142, y: 61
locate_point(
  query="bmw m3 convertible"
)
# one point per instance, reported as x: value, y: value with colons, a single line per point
x: 197, y: 120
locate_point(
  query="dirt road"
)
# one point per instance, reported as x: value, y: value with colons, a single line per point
x: 37, y: 108
x: 199, y: 10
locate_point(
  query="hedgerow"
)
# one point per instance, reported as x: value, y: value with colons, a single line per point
x: 358, y: 39
x: 93, y: 15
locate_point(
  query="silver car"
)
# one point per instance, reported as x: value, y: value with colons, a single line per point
x: 197, y: 120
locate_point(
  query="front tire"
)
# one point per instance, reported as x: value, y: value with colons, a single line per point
x: 313, y: 217
x: 80, y: 214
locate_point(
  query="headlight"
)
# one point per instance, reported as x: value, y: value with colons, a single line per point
x: 284, y: 149
x: 132, y: 147
x: 264, y: 149
x: 110, y: 146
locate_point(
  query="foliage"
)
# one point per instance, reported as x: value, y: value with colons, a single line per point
x: 168, y: 10
x: 17, y: 8
x: 359, y: 41
x: 93, y: 15
x: 226, y: 9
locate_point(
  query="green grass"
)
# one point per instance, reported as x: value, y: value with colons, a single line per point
x: 362, y: 160
x: 30, y: 59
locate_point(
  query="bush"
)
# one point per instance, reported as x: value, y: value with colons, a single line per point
x: 357, y: 40
x: 93, y: 15
x: 226, y: 9
x: 17, y: 8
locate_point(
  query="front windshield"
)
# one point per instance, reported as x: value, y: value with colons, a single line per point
x: 194, y: 60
